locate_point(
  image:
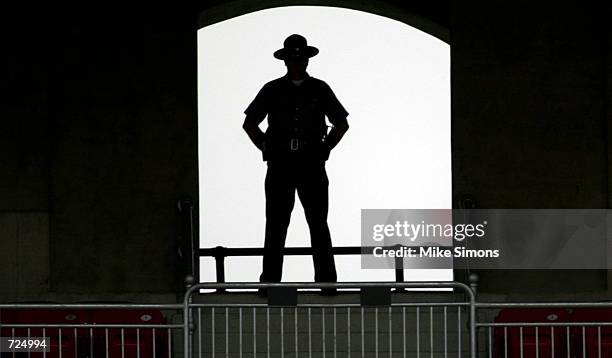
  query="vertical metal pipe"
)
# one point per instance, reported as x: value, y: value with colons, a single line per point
x: 431, y: 337
x: 60, y: 342
x: 323, y: 331
x: 599, y: 341
x: 418, y: 338
x: 404, y: 329
x: 446, y: 334
x: 91, y: 350
x: 123, y: 343
x: 552, y: 340
x: 399, y: 271
x: 390, y: 334
x: 106, y: 340
x: 220, y: 269
x: 138, y: 343
x: 295, y: 322
x: 254, y: 334
x: 309, y: 334
x: 226, y: 332
x: 268, y: 331
x: 76, y: 344
x: 45, y: 351
x: 186, y: 325
x: 335, y: 356
x: 239, y: 331
x: 212, y: 328
x: 182, y: 204
x: 170, y: 344
x: 490, y: 344
x: 459, y: 331
x: 567, y: 337
x: 472, y: 322
x: 537, y: 343
x: 348, y: 330
x: 376, y: 331
x: 583, y: 343
x: 154, y: 348
x: 362, y: 335
x: 521, y: 340
x: 506, y: 342
x: 282, y: 329
x: 200, y: 332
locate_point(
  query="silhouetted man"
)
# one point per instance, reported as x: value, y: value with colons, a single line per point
x: 296, y: 146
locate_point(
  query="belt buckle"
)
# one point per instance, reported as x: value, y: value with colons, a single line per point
x: 294, y: 144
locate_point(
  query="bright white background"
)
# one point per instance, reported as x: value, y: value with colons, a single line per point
x: 393, y: 79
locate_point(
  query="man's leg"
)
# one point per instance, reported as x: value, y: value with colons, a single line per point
x: 312, y: 190
x: 280, y: 197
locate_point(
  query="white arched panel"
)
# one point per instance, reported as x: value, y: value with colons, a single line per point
x: 393, y: 79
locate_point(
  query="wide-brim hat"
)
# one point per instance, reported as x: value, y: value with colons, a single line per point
x: 295, y: 46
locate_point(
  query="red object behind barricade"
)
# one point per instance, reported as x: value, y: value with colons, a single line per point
x: 63, y: 342
x: 542, y: 341
x: 588, y: 339
x: 6, y: 317
x: 130, y: 342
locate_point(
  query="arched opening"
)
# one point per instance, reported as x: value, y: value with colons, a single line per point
x: 393, y: 79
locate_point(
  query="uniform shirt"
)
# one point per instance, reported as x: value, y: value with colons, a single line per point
x: 295, y: 112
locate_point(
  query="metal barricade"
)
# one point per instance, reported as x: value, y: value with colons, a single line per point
x: 331, y: 328
x: 93, y: 330
x: 412, y: 324
x: 546, y: 329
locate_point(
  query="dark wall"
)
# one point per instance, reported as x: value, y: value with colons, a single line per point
x: 24, y: 127
x: 124, y: 150
x: 529, y: 92
x: 100, y: 133
x: 529, y: 122
x: 99, y: 128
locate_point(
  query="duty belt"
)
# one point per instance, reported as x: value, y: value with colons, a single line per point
x: 294, y: 144
x: 299, y: 144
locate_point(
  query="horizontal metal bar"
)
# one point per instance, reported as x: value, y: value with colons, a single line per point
x: 541, y: 304
x: 170, y: 306
x: 221, y: 251
x: 243, y: 285
x: 540, y: 324
x: 319, y: 305
x: 90, y: 325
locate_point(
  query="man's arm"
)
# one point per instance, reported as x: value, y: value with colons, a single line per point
x: 255, y: 114
x: 251, y: 127
x: 336, y: 114
x: 336, y: 133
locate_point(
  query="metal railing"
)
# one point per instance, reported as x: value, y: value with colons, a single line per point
x: 91, y: 330
x: 558, y: 334
x: 365, y: 330
x: 404, y: 324
x: 220, y: 253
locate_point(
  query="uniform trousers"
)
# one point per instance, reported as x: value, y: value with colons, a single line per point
x: 309, y: 178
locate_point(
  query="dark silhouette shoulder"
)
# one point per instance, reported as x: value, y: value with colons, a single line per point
x: 282, y: 81
x: 279, y: 87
